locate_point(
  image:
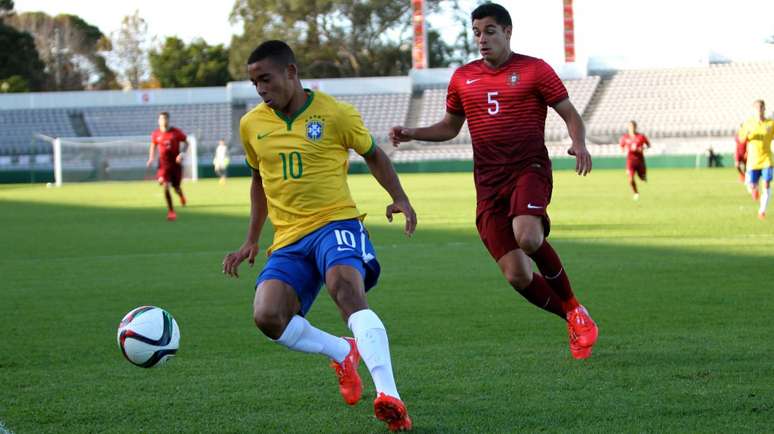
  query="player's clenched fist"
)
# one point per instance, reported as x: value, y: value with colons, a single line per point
x: 400, y: 134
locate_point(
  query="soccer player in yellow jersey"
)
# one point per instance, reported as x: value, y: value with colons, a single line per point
x: 297, y: 142
x: 759, y: 131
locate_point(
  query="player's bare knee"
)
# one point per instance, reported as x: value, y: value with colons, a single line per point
x: 271, y: 322
x: 529, y: 241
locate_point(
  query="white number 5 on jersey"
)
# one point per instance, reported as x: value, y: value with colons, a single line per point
x: 492, y: 102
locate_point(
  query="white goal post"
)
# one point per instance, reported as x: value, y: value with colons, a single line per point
x: 124, y: 158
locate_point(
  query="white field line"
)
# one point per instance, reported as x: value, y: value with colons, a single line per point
x: 3, y: 429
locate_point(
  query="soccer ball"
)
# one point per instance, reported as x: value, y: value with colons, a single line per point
x: 148, y: 336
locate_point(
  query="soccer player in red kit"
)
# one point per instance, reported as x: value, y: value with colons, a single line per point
x: 168, y: 140
x: 634, y: 144
x: 740, y: 153
x: 504, y: 96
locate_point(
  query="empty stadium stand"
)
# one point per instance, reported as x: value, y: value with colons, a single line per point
x: 209, y: 122
x: 18, y: 127
x: 676, y: 104
x: 680, y: 102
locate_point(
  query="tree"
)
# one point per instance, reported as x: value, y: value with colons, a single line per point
x: 130, y: 49
x: 331, y: 38
x: 70, y: 48
x: 6, y: 8
x: 20, y: 67
x: 439, y: 53
x: 197, y: 64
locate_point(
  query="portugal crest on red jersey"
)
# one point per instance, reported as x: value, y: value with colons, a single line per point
x: 513, y: 79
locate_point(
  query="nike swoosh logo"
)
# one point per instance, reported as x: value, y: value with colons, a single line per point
x: 472, y: 81
x: 263, y: 135
x: 530, y: 206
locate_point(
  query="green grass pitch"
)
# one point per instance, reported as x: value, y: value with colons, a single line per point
x: 680, y: 283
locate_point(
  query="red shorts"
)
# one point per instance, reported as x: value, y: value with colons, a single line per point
x: 528, y: 193
x: 172, y: 174
x: 636, y: 166
x: 740, y: 158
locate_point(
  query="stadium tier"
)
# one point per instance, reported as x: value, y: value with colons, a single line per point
x: 680, y: 102
x: 18, y: 129
x: 688, y: 103
x: 208, y: 122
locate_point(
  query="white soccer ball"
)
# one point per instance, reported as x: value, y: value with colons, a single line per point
x: 148, y: 336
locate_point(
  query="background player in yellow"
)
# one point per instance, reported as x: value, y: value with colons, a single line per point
x: 297, y: 142
x: 759, y: 131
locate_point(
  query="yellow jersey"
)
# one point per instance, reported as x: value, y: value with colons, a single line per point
x: 759, y: 135
x: 303, y: 161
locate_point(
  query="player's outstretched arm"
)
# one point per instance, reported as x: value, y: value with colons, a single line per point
x: 577, y: 131
x: 150, y: 154
x: 381, y: 168
x: 183, y: 150
x: 446, y: 129
x: 249, y: 248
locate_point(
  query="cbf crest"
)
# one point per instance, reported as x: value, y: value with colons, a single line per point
x: 315, y: 126
x: 513, y: 79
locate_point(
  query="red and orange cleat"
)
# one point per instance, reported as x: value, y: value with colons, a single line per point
x: 582, y: 331
x: 350, y: 386
x: 392, y: 411
x: 171, y: 216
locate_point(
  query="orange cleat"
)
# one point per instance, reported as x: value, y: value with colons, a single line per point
x: 350, y: 386
x: 392, y: 411
x: 171, y: 216
x: 761, y: 216
x: 582, y: 331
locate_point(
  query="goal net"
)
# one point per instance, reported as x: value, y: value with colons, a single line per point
x: 88, y: 159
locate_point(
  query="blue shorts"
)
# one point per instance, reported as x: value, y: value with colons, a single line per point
x: 303, y: 264
x: 754, y: 175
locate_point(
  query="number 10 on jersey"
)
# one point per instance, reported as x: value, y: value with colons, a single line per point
x: 291, y: 165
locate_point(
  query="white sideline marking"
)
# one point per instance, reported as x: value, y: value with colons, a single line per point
x: 3, y: 429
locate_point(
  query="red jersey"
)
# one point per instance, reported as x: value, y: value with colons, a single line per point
x: 741, y: 148
x: 506, y: 112
x: 168, y: 144
x: 634, y: 145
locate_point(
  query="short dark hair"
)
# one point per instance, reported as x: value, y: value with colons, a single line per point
x: 499, y: 13
x: 278, y: 51
x: 165, y: 114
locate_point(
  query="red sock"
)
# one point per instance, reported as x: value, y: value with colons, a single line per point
x: 168, y: 198
x: 539, y: 293
x: 551, y: 267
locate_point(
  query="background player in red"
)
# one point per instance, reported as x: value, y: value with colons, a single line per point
x: 168, y: 140
x: 505, y: 97
x: 740, y: 154
x: 634, y: 144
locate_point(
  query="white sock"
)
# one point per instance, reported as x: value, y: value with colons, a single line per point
x: 374, y: 348
x: 765, y: 194
x: 302, y: 336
